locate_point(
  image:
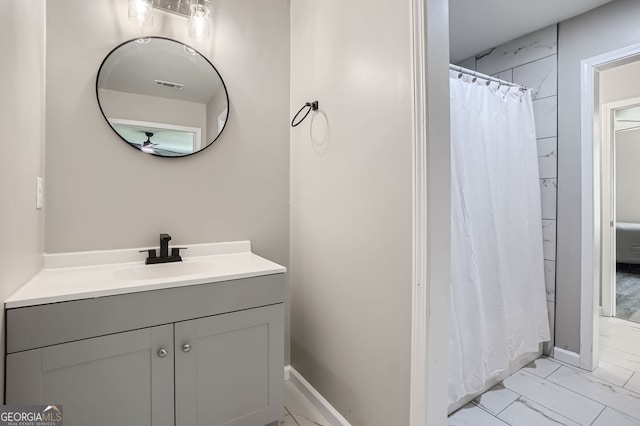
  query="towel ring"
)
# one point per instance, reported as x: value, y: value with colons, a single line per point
x: 311, y: 106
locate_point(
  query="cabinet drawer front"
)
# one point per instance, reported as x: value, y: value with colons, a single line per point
x: 44, y: 325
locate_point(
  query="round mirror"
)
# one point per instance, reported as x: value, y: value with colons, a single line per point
x: 162, y: 97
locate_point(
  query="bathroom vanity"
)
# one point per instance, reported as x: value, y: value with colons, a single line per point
x: 200, y: 342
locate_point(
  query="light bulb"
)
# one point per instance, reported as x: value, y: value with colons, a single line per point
x: 140, y: 12
x: 199, y: 21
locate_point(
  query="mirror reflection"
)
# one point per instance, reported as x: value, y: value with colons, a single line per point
x: 162, y: 97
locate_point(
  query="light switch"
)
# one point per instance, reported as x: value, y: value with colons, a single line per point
x: 39, y: 192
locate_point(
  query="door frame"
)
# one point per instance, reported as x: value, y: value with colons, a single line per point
x: 591, y: 185
x: 429, y: 30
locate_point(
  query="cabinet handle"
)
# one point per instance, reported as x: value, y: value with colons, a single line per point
x: 186, y: 347
x: 162, y: 353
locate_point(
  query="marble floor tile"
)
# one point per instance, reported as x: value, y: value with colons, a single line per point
x: 300, y: 408
x: 569, y: 404
x: 627, y: 330
x: 542, y: 367
x: 625, y: 401
x: 634, y: 383
x: 633, y: 348
x: 620, y: 358
x: 287, y: 420
x: 541, y: 76
x: 496, y: 399
x: 524, y: 412
x: 611, y: 373
x: 611, y: 417
x: 606, y: 371
x: 472, y: 415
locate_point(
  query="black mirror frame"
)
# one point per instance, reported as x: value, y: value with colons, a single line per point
x: 224, y: 86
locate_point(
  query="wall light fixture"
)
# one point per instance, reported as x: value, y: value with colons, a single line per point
x: 199, y: 21
x: 140, y: 12
x: 197, y: 11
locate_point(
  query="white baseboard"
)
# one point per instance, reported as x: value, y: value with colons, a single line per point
x: 326, y: 409
x: 287, y: 372
x: 566, y: 356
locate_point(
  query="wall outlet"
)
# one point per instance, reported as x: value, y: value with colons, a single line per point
x: 39, y: 192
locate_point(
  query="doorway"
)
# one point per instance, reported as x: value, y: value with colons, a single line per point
x: 619, y: 334
x: 606, y: 123
x: 620, y: 291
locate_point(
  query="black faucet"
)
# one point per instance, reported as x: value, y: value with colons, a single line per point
x: 164, y: 245
x: 164, y: 252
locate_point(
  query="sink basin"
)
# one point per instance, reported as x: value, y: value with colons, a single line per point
x: 163, y: 270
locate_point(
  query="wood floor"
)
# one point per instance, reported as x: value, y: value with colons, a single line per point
x: 548, y: 392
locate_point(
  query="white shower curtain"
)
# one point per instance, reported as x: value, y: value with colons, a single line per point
x: 498, y: 297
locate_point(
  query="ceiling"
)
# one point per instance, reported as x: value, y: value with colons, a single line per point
x: 479, y: 25
x: 134, y: 67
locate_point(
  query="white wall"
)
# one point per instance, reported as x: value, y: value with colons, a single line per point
x: 607, y: 28
x: 22, y: 47
x: 351, y: 206
x: 627, y: 145
x: 133, y: 106
x: 236, y: 189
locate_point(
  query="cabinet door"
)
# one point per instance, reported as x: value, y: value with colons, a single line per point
x: 119, y: 379
x: 232, y: 371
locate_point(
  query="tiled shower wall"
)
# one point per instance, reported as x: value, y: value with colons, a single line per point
x: 532, y: 61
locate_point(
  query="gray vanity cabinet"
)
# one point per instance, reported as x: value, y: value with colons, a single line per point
x: 227, y: 368
x: 111, y: 380
x: 202, y: 355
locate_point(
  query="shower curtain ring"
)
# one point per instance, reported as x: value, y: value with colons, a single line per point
x: 475, y: 77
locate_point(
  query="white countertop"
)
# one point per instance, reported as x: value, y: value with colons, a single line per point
x: 74, y: 276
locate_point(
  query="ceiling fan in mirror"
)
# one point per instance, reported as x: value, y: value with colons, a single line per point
x: 148, y: 146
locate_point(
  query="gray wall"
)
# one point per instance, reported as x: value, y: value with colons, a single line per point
x: 627, y: 176
x: 22, y: 46
x: 102, y: 194
x: 351, y: 206
x: 532, y: 61
x: 610, y: 27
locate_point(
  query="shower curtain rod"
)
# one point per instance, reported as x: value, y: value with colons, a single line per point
x: 488, y: 78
